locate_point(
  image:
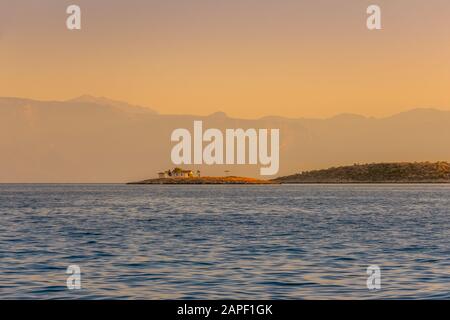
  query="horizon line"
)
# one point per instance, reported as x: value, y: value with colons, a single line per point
x: 222, y: 113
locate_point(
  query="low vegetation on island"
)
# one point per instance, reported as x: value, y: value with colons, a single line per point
x: 402, y: 172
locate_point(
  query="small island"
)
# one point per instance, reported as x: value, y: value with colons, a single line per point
x: 401, y: 172
x: 180, y: 176
x: 206, y: 180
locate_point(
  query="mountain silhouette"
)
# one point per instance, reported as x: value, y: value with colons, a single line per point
x: 90, y: 139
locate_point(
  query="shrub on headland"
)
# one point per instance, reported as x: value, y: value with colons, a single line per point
x: 407, y: 172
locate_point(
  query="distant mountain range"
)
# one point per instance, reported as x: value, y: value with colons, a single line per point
x: 89, y: 139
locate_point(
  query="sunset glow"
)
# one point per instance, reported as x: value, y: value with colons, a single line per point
x: 247, y: 58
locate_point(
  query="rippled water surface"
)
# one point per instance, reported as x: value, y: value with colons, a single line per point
x: 210, y: 242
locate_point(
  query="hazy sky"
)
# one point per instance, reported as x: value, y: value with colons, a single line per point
x: 249, y: 58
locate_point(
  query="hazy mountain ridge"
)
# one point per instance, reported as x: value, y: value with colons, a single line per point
x: 82, y: 102
x: 81, y: 140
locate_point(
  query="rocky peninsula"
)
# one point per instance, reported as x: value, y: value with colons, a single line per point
x: 400, y: 172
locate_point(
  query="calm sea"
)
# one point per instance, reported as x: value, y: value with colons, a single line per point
x: 230, y: 242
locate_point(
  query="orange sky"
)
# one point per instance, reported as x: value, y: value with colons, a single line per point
x: 249, y: 58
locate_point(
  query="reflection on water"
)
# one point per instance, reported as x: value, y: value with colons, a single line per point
x: 211, y: 242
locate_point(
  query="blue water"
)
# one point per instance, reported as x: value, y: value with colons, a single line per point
x: 231, y: 242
